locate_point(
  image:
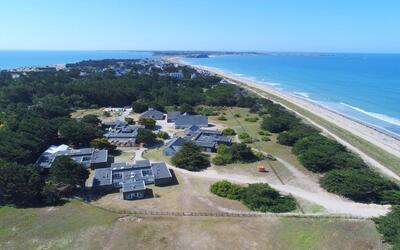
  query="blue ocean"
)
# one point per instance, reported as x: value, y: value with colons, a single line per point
x: 365, y: 87
x: 10, y: 59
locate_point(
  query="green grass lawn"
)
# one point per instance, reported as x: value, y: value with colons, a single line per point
x: 77, y: 225
x: 50, y: 227
x: 252, y: 128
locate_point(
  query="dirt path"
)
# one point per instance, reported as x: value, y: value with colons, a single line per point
x: 331, y: 202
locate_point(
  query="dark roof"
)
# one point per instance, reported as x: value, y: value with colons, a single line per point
x: 152, y: 113
x: 160, y: 170
x: 99, y: 156
x: 189, y: 120
x: 102, y: 177
x: 133, y: 186
x: 173, y: 115
x: 177, y: 141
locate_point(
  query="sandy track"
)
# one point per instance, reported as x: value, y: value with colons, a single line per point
x: 331, y: 202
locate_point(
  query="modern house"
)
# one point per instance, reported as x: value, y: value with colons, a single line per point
x: 153, y: 114
x: 186, y: 120
x: 173, y: 146
x: 171, y: 116
x: 209, y: 139
x: 206, y: 139
x: 131, y: 179
x: 89, y: 157
x: 121, y: 133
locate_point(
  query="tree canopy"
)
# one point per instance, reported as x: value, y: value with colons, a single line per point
x: 190, y: 157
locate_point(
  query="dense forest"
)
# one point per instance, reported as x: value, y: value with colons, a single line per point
x: 35, y: 110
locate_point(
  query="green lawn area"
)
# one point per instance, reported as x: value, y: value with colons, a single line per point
x: 82, y: 112
x: 252, y: 128
x: 77, y: 225
x: 51, y: 227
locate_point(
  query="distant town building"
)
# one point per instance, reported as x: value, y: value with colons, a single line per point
x: 177, y: 75
x: 173, y: 146
x: 89, y: 157
x: 131, y: 179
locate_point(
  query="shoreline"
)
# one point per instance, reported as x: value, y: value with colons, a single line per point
x: 388, y: 143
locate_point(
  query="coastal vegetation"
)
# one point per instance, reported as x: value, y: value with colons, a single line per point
x: 389, y: 227
x: 258, y: 197
x: 236, y: 153
x: 190, y: 157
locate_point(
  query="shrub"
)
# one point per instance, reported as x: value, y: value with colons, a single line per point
x: 106, y: 114
x: 190, y: 157
x: 261, y: 132
x: 279, y: 122
x: 237, y: 152
x: 222, y: 118
x: 245, y: 138
x: 259, y: 197
x: 265, y: 138
x: 263, y: 198
x: 148, y: 122
x: 362, y: 185
x: 237, y: 115
x: 295, y: 133
x: 102, y: 143
x: 163, y: 135
x: 129, y: 120
x: 252, y: 119
x: 389, y: 227
x: 227, y: 190
x: 320, y: 154
x: 147, y: 137
x: 228, y: 132
x: 218, y: 160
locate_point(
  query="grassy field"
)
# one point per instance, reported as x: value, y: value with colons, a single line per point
x: 82, y: 112
x: 76, y: 225
x: 380, y: 155
x: 252, y: 128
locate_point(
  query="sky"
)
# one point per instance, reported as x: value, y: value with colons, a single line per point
x: 227, y: 25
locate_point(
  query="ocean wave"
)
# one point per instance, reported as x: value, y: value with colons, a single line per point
x: 302, y: 94
x: 378, y: 116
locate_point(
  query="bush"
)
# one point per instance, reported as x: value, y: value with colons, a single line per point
x: 102, y: 143
x: 265, y: 138
x: 163, y: 135
x: 147, y: 137
x: 263, y: 198
x: 258, y: 197
x: 252, y: 119
x: 261, y: 132
x: 279, y: 122
x: 389, y: 227
x: 190, y: 157
x: 320, y: 154
x: 218, y: 160
x: 129, y: 120
x: 295, y: 133
x: 208, y: 111
x: 227, y: 190
x: 362, y: 185
x: 148, y: 122
x: 222, y: 118
x: 228, y: 132
x: 139, y: 107
x: 91, y: 119
x: 245, y: 138
x: 237, y: 115
x: 106, y: 114
x: 236, y: 153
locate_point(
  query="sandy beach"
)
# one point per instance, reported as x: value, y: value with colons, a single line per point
x: 384, y: 141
